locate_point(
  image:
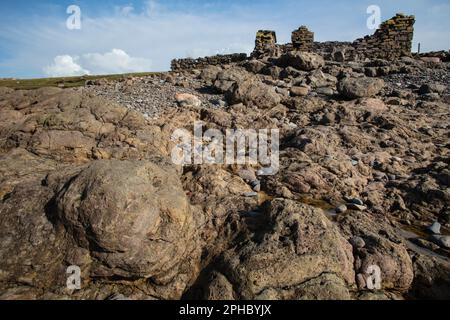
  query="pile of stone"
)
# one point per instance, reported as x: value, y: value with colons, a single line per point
x: 200, y: 63
x: 392, y: 40
x: 302, y: 39
x: 266, y: 42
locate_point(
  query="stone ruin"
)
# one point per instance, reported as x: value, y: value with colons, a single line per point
x: 265, y: 43
x: 302, y: 39
x: 391, y: 41
x: 199, y: 63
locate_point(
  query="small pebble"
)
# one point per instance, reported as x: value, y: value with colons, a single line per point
x: 250, y: 194
x: 353, y: 206
x: 357, y: 201
x: 435, y: 228
x: 442, y: 241
x: 257, y: 187
x: 341, y: 209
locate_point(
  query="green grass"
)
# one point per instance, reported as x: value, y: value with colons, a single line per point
x: 66, y: 82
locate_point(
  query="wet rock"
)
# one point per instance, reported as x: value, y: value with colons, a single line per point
x: 435, y: 228
x: 442, y: 241
x: 357, y: 207
x: 426, y: 244
x: 356, y: 201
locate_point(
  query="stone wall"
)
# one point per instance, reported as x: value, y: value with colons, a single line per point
x: 199, y: 63
x: 265, y: 43
x: 302, y: 39
x: 392, y: 40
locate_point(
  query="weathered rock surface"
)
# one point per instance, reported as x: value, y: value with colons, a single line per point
x: 302, y: 60
x: 112, y: 218
x: 299, y: 249
x: 86, y: 179
x: 253, y: 93
x: 354, y: 88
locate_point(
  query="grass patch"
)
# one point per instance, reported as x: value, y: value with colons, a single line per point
x: 65, y: 82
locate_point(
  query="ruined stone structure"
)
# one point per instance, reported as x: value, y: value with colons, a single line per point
x: 302, y: 39
x: 392, y: 40
x: 199, y: 63
x: 266, y: 42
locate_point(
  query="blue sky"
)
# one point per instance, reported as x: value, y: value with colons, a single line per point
x: 144, y: 35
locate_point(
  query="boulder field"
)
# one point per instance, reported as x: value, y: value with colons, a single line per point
x: 87, y: 180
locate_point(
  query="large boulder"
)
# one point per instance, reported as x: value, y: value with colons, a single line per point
x: 355, y: 88
x: 126, y: 219
x: 306, y: 61
x: 226, y: 78
x: 114, y: 219
x: 298, y: 248
x: 132, y: 215
x: 253, y: 93
x: 209, y: 74
x: 382, y: 248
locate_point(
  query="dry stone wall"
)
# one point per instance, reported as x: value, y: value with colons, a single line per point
x: 392, y: 40
x: 200, y: 63
x: 265, y: 43
x: 302, y: 39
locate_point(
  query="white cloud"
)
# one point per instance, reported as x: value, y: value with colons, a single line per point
x: 65, y: 66
x: 115, y: 61
x: 153, y: 33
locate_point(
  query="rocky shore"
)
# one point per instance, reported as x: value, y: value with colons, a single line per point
x: 87, y: 180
